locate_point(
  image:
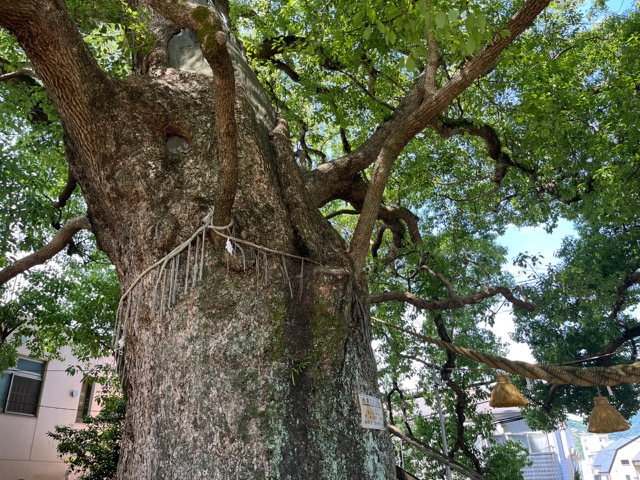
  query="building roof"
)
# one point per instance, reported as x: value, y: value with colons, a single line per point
x: 604, y: 458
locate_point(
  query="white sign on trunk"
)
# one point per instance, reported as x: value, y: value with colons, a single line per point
x: 372, y: 414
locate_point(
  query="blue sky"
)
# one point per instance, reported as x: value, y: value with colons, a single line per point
x: 534, y: 241
x: 619, y: 6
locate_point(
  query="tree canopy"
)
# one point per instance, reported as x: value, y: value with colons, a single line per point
x: 533, y: 117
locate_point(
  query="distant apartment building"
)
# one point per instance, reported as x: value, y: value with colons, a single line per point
x: 619, y: 460
x: 35, y: 396
x: 592, y: 443
x: 554, y: 455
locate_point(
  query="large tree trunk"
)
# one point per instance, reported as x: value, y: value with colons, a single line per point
x: 245, y: 356
x: 253, y: 371
x: 253, y: 368
x: 219, y: 388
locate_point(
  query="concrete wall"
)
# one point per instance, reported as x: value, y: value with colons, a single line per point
x: 26, y: 452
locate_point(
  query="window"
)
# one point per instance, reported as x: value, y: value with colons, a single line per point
x: 20, y: 387
x: 538, y: 442
x: 624, y: 462
x: 597, y: 477
x: 534, y: 442
x: 84, y: 402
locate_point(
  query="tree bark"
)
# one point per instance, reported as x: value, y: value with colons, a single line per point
x: 255, y: 370
x: 244, y: 361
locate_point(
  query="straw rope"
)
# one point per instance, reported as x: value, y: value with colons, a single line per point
x: 182, y: 268
x: 556, y: 374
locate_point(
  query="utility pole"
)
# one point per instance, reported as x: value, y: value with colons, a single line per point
x: 445, y: 447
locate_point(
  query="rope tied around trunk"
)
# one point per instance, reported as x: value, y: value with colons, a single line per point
x: 555, y: 374
x: 181, y: 269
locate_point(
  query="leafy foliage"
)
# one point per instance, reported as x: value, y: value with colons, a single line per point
x: 53, y: 309
x: 505, y: 461
x: 550, y: 132
x: 94, y: 451
x: 72, y: 301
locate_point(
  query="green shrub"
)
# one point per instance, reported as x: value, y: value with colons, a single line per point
x: 94, y: 451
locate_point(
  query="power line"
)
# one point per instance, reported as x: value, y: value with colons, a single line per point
x: 11, y: 371
x: 52, y: 408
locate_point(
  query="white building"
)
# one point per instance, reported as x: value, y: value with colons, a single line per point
x: 554, y: 455
x: 618, y: 461
x: 35, y: 396
x: 592, y: 443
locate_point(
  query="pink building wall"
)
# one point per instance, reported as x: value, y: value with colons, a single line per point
x: 26, y: 452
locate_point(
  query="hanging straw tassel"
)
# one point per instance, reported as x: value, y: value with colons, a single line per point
x: 606, y: 419
x: 505, y: 394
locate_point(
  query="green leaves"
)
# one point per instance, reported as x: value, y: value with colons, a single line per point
x: 114, y: 31
x: 441, y: 19
x: 94, y: 451
x: 505, y: 461
x: 71, y: 301
x: 49, y: 309
x: 345, y: 41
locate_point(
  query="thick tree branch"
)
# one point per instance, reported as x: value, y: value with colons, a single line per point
x: 432, y: 65
x: 225, y: 90
x: 5, y: 77
x: 80, y: 90
x: 209, y: 27
x: 355, y: 195
x: 66, y: 193
x: 478, y: 65
x: 59, y: 241
x: 414, y: 113
x: 359, y: 246
x: 390, y: 216
x: 459, y: 302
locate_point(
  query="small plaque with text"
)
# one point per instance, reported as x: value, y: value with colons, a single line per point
x: 372, y: 413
